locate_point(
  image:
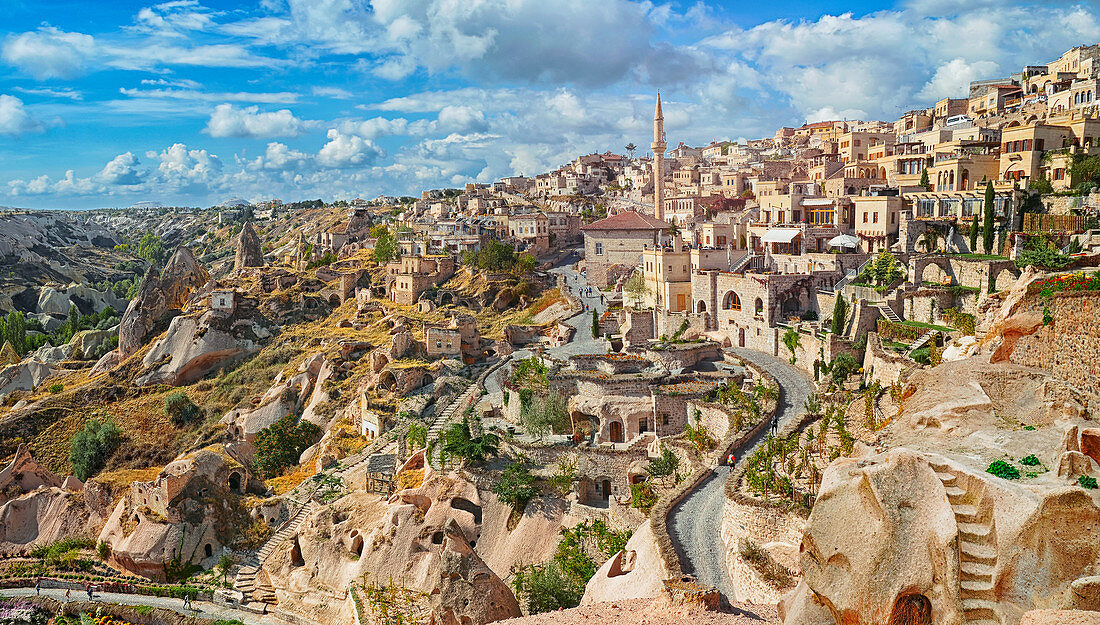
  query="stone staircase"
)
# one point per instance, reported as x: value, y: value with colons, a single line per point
x: 251, y: 581
x: 977, y: 543
x: 444, y: 418
x: 921, y: 341
x: 888, y: 313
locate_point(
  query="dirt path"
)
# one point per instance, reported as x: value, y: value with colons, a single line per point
x: 696, y: 522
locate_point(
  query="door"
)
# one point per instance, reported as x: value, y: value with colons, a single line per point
x: 681, y: 302
x: 616, y: 431
x: 741, y: 337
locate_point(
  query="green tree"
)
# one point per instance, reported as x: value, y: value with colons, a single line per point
x: 974, y: 234
x: 987, y: 226
x: 458, y: 443
x: 924, y: 181
x: 843, y: 366
x: 281, y: 444
x: 545, y: 415
x: 92, y: 446
x: 516, y: 485
x: 417, y: 436
x: 840, y: 314
x: 386, y: 249
x: 152, y: 249
x: 630, y: 147
x: 179, y: 408
x: 595, y: 324
x: 792, y: 339
x: 664, y: 465
x: 636, y: 287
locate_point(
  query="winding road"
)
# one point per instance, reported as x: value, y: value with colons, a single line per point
x: 696, y: 522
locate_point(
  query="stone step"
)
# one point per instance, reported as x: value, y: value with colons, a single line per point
x: 974, y: 552
x: 967, y: 513
x: 979, y: 609
x: 975, y: 532
x: 975, y: 571
x: 955, y: 494
x: 948, y: 479
x: 972, y: 589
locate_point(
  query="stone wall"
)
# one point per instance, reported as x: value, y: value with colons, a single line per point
x: 777, y: 531
x: 1070, y: 346
x: 595, y: 464
x: 961, y: 271
x: 637, y: 326
x: 885, y: 366
x: 919, y: 304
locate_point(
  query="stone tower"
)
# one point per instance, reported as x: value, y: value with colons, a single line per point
x: 659, y: 146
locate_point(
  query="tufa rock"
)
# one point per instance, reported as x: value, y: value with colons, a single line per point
x: 161, y: 294
x: 250, y: 252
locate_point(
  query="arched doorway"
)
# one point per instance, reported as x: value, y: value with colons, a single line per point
x: 615, y: 431
x: 605, y: 489
x: 740, y: 337
x: 235, y: 482
x: 911, y: 610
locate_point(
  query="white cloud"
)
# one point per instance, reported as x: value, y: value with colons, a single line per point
x: 952, y: 79
x: 376, y: 127
x: 343, y: 150
x: 14, y: 118
x: 124, y: 169
x: 333, y: 92
x: 48, y: 92
x: 282, y: 97
x: 180, y: 168
x: 279, y: 157
x: 49, y: 52
x: 229, y: 121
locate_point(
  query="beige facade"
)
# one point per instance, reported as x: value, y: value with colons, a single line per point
x: 877, y: 220
x: 619, y: 240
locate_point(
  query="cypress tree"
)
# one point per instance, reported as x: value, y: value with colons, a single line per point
x: 840, y: 314
x: 924, y: 182
x: 974, y: 233
x: 595, y: 324
x: 987, y: 226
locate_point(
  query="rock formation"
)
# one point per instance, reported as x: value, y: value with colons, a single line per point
x: 636, y: 572
x: 188, y: 513
x: 250, y: 252
x: 161, y: 295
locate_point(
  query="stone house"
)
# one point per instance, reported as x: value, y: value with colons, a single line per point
x: 618, y: 242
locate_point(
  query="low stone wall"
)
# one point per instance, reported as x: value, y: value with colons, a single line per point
x: 762, y: 525
x: 883, y: 365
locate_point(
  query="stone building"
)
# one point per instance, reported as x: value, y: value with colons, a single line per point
x: 618, y: 241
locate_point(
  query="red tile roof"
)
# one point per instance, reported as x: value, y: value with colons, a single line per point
x: 628, y: 221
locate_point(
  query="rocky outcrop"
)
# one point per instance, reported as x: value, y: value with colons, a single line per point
x: 902, y: 528
x: 250, y: 252
x: 636, y: 572
x: 422, y: 539
x: 24, y: 474
x: 190, y: 512
x: 37, y: 507
x: 25, y: 376
x: 161, y: 296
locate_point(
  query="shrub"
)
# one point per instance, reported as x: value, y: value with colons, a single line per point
x: 417, y: 437
x: 56, y: 388
x: 842, y: 366
x: 516, y: 485
x: 1003, y: 470
x: 92, y: 446
x: 1030, y: 461
x: 642, y: 496
x: 281, y: 444
x: 545, y: 415
x: 1087, y: 481
x: 762, y: 561
x: 663, y: 465
x: 179, y: 408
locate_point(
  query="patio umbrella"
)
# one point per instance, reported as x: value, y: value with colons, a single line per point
x: 844, y: 240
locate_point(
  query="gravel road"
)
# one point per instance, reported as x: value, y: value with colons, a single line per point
x: 696, y: 522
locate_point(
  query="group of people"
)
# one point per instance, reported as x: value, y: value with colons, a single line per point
x: 90, y: 589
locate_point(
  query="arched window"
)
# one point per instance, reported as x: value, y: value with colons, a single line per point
x: 731, y: 301
x: 759, y: 307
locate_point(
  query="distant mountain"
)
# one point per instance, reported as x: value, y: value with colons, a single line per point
x: 231, y: 202
x: 147, y: 204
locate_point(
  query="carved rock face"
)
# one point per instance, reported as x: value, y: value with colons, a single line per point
x: 159, y: 294
x: 250, y: 252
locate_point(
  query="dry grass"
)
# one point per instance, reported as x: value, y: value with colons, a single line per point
x: 290, y: 480
x: 762, y: 562
x: 411, y: 478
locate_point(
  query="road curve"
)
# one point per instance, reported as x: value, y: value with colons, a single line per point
x: 695, y: 524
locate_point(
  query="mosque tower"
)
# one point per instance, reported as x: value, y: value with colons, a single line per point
x: 659, y: 146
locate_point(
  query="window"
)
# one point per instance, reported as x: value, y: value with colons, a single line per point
x: 874, y: 218
x: 864, y: 216
x: 599, y: 248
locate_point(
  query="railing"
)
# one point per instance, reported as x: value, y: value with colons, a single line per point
x: 848, y: 277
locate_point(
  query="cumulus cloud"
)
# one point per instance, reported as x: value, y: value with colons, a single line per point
x: 343, y: 150
x: 124, y: 169
x: 181, y: 168
x: 230, y: 121
x: 952, y: 79
x: 14, y: 118
x: 279, y: 157
x: 49, y: 52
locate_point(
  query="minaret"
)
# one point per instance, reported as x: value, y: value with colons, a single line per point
x: 659, y: 146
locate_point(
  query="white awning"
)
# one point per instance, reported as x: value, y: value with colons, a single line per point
x: 780, y: 235
x: 844, y: 240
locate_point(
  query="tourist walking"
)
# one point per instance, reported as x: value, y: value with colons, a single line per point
x: 89, y: 589
x: 68, y: 594
x: 38, y: 586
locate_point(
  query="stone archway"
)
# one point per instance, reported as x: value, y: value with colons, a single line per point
x: 911, y: 610
x: 387, y: 381
x: 701, y: 307
x: 234, y: 482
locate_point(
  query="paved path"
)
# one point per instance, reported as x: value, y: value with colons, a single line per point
x: 201, y: 609
x: 696, y: 522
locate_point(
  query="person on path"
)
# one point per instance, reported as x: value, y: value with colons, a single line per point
x: 730, y: 461
x: 68, y: 594
x: 89, y: 589
x: 187, y: 602
x: 38, y: 586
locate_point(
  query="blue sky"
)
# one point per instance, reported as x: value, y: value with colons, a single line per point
x: 190, y: 102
